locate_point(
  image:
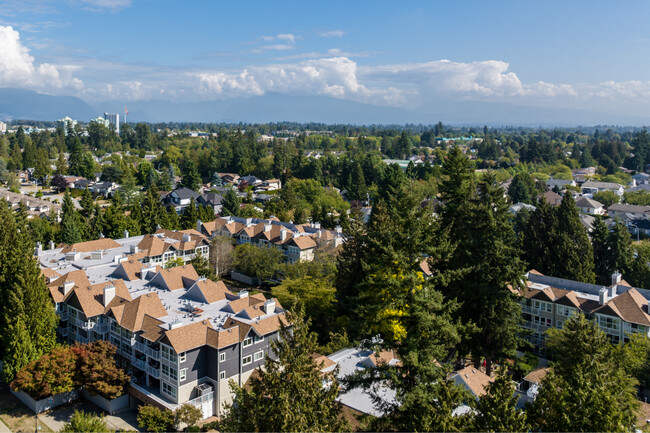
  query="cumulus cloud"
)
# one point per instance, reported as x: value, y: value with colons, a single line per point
x: 332, y: 34
x: 18, y: 67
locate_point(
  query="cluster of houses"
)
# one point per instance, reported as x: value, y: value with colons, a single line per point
x: 35, y: 207
x: 636, y: 218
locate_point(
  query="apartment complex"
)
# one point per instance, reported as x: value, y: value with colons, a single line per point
x: 180, y: 336
x: 619, y: 309
x: 297, y: 242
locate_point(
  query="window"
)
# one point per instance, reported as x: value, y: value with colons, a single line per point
x: 543, y: 306
x: 257, y: 339
x: 248, y: 341
x: 608, y: 323
x: 259, y: 355
x: 222, y: 357
x: 170, y: 372
x: 182, y: 375
x: 565, y: 311
x: 222, y: 375
x: 542, y: 321
x: 247, y: 360
x: 169, y: 390
x: 168, y: 354
x: 182, y: 357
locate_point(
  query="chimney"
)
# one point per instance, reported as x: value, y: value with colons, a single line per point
x: 51, y: 244
x: 267, y: 228
x: 616, y: 278
x: 39, y: 248
x: 243, y: 294
x: 338, y: 230
x: 283, y: 234
x: 199, y: 223
x: 186, y: 237
x: 126, y: 234
x: 602, y: 296
x: 67, y: 286
x: 269, y: 306
x: 109, y: 294
x: 134, y: 249
x: 101, y: 236
x: 316, y: 225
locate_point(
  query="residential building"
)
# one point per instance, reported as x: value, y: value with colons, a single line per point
x: 180, y: 198
x: 100, y: 120
x: 65, y: 122
x: 551, y: 198
x: 472, y: 379
x: 113, y: 119
x: 515, y: 208
x: 628, y: 211
x: 590, y: 188
x: 180, y: 337
x: 212, y: 199
x: 619, y: 309
x: 3, y: 127
x: 589, y: 206
x: 36, y: 207
x: 297, y: 242
x: 559, y: 183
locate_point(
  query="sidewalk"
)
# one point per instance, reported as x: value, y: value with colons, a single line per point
x: 4, y: 428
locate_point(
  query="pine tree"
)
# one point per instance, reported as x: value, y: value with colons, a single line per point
x: 61, y: 164
x: 191, y: 178
x: 456, y: 189
x: 620, y: 249
x: 586, y: 389
x: 230, y: 203
x: 357, y: 188
x: 497, y: 409
x: 191, y: 214
x: 152, y: 211
x: 289, y: 393
x: 70, y: 227
x: 600, y: 245
x: 539, y: 236
x: 573, y: 253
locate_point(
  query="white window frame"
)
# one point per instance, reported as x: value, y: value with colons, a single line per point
x: 248, y: 341
x: 182, y: 357
x: 173, y: 393
x: 222, y: 356
x: 257, y: 339
x: 182, y: 375
x: 258, y: 355
x: 247, y: 360
x: 222, y: 375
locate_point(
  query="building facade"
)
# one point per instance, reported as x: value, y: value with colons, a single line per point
x: 180, y: 336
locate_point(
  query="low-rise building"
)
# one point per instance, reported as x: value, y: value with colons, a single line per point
x: 590, y: 188
x: 590, y: 206
x: 627, y: 211
x: 180, y: 337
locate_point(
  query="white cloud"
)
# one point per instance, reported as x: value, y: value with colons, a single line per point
x: 287, y: 41
x: 18, y: 68
x: 332, y: 34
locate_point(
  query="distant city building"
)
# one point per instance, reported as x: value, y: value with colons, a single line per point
x: 67, y: 121
x: 113, y: 118
x: 3, y: 127
x: 100, y: 120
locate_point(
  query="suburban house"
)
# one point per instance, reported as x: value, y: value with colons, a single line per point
x: 619, y: 309
x: 559, y: 183
x: 515, y: 208
x: 589, y: 206
x: 641, y: 179
x: 472, y: 379
x: 36, y: 207
x: 529, y: 387
x: 180, y: 199
x: 105, y: 189
x: 590, y: 188
x: 180, y: 337
x: 269, y: 185
x: 298, y: 242
x: 551, y: 198
x: 211, y: 199
x: 628, y: 211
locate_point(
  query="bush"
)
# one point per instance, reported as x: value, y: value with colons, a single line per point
x: 154, y: 419
x: 96, y: 369
x: 85, y: 422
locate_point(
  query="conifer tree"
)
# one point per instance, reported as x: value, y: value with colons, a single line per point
x: 586, y: 389
x: 152, y: 211
x: 191, y: 214
x: 600, y: 246
x: 573, y: 257
x: 288, y: 394
x: 539, y: 236
x: 496, y: 411
x: 70, y: 226
x: 230, y: 203
x: 357, y: 188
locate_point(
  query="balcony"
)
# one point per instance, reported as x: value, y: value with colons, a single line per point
x: 87, y: 325
x: 63, y: 315
x: 81, y: 339
x: 101, y: 329
x: 142, y: 365
x: 153, y: 353
x: 63, y: 332
x: 535, y: 326
x: 139, y: 347
x: 530, y: 310
x: 154, y: 372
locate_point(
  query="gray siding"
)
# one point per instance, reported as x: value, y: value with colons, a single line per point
x: 195, y: 362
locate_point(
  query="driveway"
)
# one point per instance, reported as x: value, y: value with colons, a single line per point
x: 57, y: 417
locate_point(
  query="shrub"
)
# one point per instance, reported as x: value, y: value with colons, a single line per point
x: 154, y: 419
x: 85, y: 422
x: 51, y: 374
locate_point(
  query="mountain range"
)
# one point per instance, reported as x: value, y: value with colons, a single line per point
x: 275, y: 107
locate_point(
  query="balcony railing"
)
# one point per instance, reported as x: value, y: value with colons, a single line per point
x: 139, y: 347
x: 153, y: 353
x: 154, y: 372
x: 63, y: 332
x: 535, y: 326
x: 63, y: 315
x: 142, y: 365
x: 197, y: 402
x: 81, y: 339
x: 101, y: 329
x: 530, y: 310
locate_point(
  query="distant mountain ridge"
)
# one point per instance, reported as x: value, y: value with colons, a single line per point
x: 30, y: 105
x: 276, y: 107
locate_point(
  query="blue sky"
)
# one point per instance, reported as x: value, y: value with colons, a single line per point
x: 578, y: 54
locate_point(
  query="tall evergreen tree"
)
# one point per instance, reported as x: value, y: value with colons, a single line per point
x: 539, y: 236
x: 357, y: 188
x: 496, y: 411
x: 70, y: 225
x: 191, y: 178
x: 289, y: 393
x: 600, y: 245
x: 152, y: 211
x: 230, y: 203
x: 574, y: 256
x: 191, y: 214
x: 586, y: 389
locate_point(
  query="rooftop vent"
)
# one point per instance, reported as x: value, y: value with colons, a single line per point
x: 243, y: 294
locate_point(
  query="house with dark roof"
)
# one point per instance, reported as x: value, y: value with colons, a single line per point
x: 180, y: 199
x: 211, y: 199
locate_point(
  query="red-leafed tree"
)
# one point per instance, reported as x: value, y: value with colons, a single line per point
x: 96, y: 369
x: 52, y: 373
